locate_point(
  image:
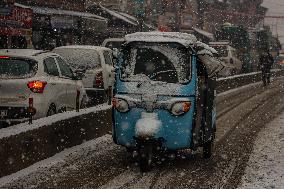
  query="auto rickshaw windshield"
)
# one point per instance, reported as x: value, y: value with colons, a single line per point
x: 164, y: 62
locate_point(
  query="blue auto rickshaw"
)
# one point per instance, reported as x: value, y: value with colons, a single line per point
x: 163, y: 96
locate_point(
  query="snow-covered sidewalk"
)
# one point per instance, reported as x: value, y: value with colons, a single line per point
x: 265, y: 168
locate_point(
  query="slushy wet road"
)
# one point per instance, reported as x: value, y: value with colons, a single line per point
x: 242, y: 113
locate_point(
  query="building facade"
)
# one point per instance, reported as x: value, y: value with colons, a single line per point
x: 51, y: 23
x: 168, y: 15
x: 247, y: 13
x: 74, y: 5
x: 171, y: 15
x: 15, y: 25
x: 118, y: 5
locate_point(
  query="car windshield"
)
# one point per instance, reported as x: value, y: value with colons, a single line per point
x: 169, y: 63
x: 80, y: 58
x: 14, y: 68
x: 222, y: 51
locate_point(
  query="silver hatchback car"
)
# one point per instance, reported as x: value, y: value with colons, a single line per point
x: 38, y: 83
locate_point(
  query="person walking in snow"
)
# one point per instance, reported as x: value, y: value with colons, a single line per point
x: 266, y: 60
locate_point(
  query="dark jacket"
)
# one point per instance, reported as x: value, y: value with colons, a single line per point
x: 265, y: 61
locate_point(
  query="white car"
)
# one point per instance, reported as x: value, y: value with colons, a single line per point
x: 96, y: 64
x: 228, y: 54
x: 38, y: 83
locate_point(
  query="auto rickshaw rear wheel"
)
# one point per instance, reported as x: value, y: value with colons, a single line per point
x: 208, y: 146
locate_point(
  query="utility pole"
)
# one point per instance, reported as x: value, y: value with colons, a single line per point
x: 178, y: 15
x: 140, y: 12
x: 277, y: 27
x: 202, y: 4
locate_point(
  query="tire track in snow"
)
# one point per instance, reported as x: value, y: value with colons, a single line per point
x: 163, y: 180
x: 211, y: 172
x: 131, y: 179
x: 122, y: 179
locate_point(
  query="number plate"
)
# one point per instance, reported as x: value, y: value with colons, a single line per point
x: 3, y: 113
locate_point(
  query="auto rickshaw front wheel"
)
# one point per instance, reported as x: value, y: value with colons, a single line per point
x: 145, y: 157
x: 208, y: 149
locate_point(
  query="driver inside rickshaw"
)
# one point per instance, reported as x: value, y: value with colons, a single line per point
x: 169, y: 63
x: 207, y: 70
x: 155, y: 65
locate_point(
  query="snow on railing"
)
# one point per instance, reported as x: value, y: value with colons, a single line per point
x: 24, y: 127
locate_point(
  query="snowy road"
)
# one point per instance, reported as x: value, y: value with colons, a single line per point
x: 99, y: 163
x: 266, y: 164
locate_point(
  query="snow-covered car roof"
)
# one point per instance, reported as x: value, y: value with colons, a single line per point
x: 98, y: 48
x: 20, y: 52
x: 181, y: 38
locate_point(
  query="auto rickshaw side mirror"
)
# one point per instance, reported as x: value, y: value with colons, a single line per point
x: 115, y: 53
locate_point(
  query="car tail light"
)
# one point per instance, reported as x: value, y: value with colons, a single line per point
x: 180, y: 108
x: 99, y: 80
x: 37, y: 86
x: 4, y: 57
x: 120, y: 104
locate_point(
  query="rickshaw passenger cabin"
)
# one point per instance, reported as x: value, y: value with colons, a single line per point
x: 157, y: 95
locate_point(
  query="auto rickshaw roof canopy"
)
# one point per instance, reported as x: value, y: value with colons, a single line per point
x: 184, y: 39
x: 205, y: 53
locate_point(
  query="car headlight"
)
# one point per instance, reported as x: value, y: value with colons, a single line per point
x: 180, y: 108
x: 120, y: 104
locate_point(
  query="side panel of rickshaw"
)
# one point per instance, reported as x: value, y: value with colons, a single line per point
x: 176, y: 131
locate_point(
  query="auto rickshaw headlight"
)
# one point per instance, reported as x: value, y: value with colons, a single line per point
x: 180, y: 108
x: 120, y: 104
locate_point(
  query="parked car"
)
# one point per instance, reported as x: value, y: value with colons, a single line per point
x: 227, y: 54
x: 96, y: 64
x: 279, y: 62
x: 36, y: 83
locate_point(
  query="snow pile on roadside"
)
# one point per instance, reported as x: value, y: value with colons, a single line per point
x: 243, y: 75
x: 35, y: 174
x: 266, y: 164
x: 24, y: 127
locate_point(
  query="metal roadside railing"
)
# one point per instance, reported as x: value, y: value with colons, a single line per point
x: 225, y: 84
x: 25, y: 144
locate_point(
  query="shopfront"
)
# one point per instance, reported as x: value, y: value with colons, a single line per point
x: 15, y: 26
x: 54, y: 27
